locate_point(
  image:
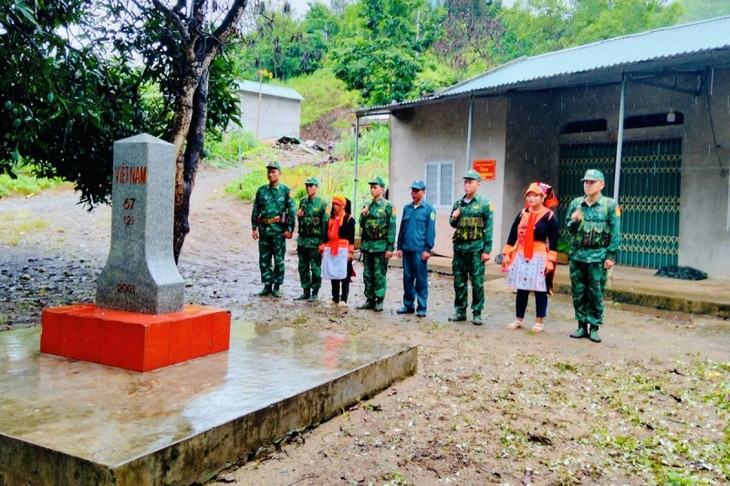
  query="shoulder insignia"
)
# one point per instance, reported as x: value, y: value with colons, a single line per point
x: 618, y: 210
x: 433, y: 216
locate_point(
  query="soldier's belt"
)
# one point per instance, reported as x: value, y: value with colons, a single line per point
x: 275, y: 219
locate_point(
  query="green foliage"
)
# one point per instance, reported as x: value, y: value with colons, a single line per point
x: 470, y: 30
x: 335, y: 178
x: 322, y: 93
x: 703, y: 9
x: 70, y: 103
x: 24, y: 182
x: 538, y: 26
x: 380, y: 46
x: 287, y: 48
x: 231, y: 148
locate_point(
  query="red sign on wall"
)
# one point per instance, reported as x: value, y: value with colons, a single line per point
x: 487, y: 169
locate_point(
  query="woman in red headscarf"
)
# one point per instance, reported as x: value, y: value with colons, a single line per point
x: 341, y: 237
x: 531, y: 253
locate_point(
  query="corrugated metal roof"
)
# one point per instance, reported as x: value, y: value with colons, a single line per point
x: 653, y: 49
x: 269, y: 90
x: 653, y: 45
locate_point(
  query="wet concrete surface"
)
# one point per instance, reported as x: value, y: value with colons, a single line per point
x: 71, y: 422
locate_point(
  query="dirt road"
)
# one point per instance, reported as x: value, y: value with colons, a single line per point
x: 650, y: 405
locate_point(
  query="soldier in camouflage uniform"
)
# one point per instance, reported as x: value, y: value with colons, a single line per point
x: 472, y: 218
x: 377, y: 221
x: 312, y: 216
x: 272, y: 220
x: 594, y: 222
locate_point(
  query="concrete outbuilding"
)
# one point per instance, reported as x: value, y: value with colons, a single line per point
x: 268, y: 111
x: 650, y: 110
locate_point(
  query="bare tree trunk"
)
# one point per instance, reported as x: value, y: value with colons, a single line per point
x: 187, y: 132
x: 191, y: 160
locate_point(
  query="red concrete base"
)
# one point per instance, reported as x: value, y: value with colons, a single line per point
x: 131, y: 340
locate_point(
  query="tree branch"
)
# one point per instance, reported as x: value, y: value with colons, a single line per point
x: 174, y: 18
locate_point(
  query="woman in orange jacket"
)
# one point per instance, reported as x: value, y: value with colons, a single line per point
x: 530, y: 254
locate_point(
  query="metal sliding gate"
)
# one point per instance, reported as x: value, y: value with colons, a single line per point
x: 648, y: 195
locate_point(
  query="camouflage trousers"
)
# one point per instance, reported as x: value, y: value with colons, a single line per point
x: 271, y: 258
x: 468, y: 265
x: 588, y: 281
x: 375, y: 268
x: 310, y: 268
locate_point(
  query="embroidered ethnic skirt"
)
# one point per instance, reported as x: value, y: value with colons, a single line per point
x: 528, y: 274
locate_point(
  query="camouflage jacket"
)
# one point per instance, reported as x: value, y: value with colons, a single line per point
x: 313, y: 222
x: 473, y: 226
x: 378, y: 227
x: 597, y: 236
x: 273, y: 210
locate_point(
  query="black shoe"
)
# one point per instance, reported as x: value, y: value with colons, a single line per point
x: 369, y: 304
x: 421, y: 313
x: 593, y: 335
x: 313, y: 297
x: 378, y: 306
x: 457, y: 317
x: 476, y: 319
x: 581, y: 332
x: 305, y: 296
x: 405, y: 310
x: 276, y: 292
x: 266, y: 291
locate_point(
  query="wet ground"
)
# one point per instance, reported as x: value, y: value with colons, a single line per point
x: 487, y: 406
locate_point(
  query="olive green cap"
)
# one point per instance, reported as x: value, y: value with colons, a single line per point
x: 312, y: 181
x: 377, y: 180
x: 472, y: 174
x: 273, y: 165
x: 593, y: 175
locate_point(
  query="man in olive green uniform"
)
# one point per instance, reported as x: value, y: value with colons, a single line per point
x: 312, y: 216
x: 472, y: 218
x: 594, y: 222
x: 377, y: 221
x: 272, y: 220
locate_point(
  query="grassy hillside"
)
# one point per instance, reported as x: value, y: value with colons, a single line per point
x: 704, y: 9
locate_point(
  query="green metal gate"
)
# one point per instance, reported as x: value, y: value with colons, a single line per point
x: 648, y: 195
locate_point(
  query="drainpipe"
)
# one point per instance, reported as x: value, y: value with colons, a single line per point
x: 620, y: 139
x: 357, y: 144
x: 619, y: 153
x: 468, y: 133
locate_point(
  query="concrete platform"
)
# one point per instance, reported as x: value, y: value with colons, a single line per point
x: 71, y: 422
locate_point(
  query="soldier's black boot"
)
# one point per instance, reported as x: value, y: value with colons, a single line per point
x: 581, y: 332
x: 378, y: 306
x: 276, y: 292
x: 265, y: 291
x: 314, y: 296
x: 593, y: 335
x: 305, y: 296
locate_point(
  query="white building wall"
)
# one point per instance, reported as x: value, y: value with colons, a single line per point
x: 439, y: 132
x: 270, y: 118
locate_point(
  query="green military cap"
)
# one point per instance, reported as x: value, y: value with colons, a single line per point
x: 418, y: 184
x: 273, y: 165
x: 377, y: 180
x: 472, y: 174
x: 312, y: 181
x: 593, y: 175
